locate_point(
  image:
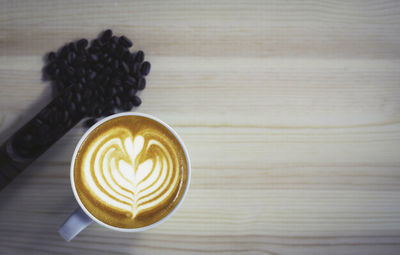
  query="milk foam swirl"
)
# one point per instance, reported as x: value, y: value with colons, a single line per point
x: 132, y: 173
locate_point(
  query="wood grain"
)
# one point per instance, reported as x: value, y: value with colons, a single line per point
x: 290, y: 111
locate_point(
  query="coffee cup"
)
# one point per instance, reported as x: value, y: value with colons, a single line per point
x: 129, y: 172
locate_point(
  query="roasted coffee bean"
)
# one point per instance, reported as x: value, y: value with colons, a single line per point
x: 136, y: 101
x: 145, y: 68
x: 124, y: 67
x: 117, y: 101
x: 72, y: 47
x: 69, y: 69
x: 92, y: 75
x: 106, y: 36
x: 82, y: 109
x: 51, y: 56
x: 125, y: 42
x: 97, y: 43
x: 115, y: 64
x: 94, y: 50
x: 71, y: 107
x: 82, y: 43
x: 109, y: 60
x: 141, y: 83
x: 139, y: 56
x: 93, y: 57
x: 114, y: 39
x: 65, y: 116
x: 87, y: 94
x: 120, y: 89
x: 60, y: 86
x: 83, y: 80
x: 119, y: 51
x: 107, y: 70
x: 126, y: 56
x: 98, y: 112
x: 115, y: 81
x: 127, y: 106
x: 79, y: 86
x: 67, y: 95
x: 130, y: 81
x: 90, y: 122
x: 112, y: 91
x: 78, y: 98
x: 132, y: 92
x: 134, y: 68
x: 50, y: 68
x: 68, y: 123
x: 99, y: 67
x: 64, y: 51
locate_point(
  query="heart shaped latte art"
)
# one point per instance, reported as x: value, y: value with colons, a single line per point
x: 132, y: 173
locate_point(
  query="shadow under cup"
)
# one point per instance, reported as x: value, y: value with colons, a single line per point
x: 129, y: 172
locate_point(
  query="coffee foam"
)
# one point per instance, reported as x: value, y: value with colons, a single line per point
x: 130, y: 172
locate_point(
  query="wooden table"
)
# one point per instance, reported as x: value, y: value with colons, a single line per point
x: 290, y: 111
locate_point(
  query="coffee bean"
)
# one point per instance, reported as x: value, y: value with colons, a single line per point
x: 82, y: 43
x: 130, y: 81
x: 125, y: 42
x: 127, y: 106
x: 115, y: 64
x: 83, y: 80
x: 136, y: 101
x: 69, y: 70
x: 125, y: 67
x: 106, y: 36
x: 139, y: 56
x: 112, y: 91
x: 132, y: 92
x: 115, y: 81
x: 97, y: 43
x: 141, y: 83
x: 71, y: 107
x: 51, y: 57
x: 145, y: 68
x: 72, y: 47
x: 114, y: 39
x: 65, y: 116
x: 107, y: 70
x: 50, y: 68
x: 64, y: 51
x: 92, y: 75
x: 117, y: 101
x: 98, y: 112
x: 82, y: 109
x: 87, y: 94
x: 120, y: 89
x: 109, y: 60
x: 94, y: 50
x: 126, y: 56
x: 93, y: 57
x: 119, y: 51
x: 78, y: 98
x: 134, y: 68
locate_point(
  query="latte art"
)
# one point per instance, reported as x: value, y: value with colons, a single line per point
x: 130, y: 174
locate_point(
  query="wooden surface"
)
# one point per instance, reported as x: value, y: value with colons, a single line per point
x: 290, y: 111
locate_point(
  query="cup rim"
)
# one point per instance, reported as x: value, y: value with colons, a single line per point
x: 83, y: 138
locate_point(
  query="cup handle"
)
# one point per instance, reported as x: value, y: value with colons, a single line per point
x: 75, y: 223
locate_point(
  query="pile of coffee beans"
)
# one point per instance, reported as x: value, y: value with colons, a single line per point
x: 89, y: 81
x: 100, y: 79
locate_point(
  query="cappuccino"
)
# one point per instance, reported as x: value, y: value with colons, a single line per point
x: 130, y: 172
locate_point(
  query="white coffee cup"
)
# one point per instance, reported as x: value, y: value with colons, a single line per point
x: 81, y: 217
